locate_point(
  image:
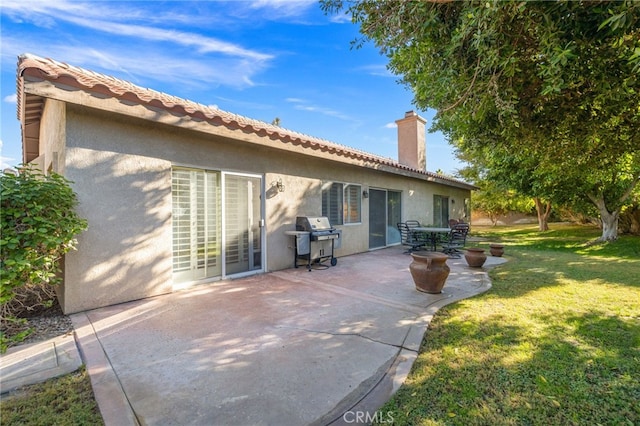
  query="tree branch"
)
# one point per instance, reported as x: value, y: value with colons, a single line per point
x: 466, y: 93
x: 627, y: 193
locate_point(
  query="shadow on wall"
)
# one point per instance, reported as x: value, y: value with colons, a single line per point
x: 302, y: 198
x: 125, y: 254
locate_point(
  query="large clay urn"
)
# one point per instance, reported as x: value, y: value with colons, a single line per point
x: 496, y: 250
x: 429, y: 271
x: 475, y: 257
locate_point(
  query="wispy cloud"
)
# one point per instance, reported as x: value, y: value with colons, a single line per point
x: 377, y: 70
x: 287, y: 7
x: 303, y: 105
x: 5, y: 162
x: 11, y: 99
x: 162, y: 52
x: 340, y: 19
x: 201, y: 43
x: 154, y: 64
x: 47, y: 13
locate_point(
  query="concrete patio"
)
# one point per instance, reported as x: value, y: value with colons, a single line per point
x: 289, y: 347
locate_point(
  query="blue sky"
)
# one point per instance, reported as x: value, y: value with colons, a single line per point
x: 262, y: 59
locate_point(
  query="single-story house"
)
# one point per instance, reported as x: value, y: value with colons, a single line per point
x: 177, y: 193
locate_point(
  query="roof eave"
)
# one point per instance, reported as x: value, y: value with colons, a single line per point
x: 97, y: 85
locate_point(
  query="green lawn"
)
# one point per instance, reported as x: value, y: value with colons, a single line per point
x: 555, y: 341
x: 65, y: 400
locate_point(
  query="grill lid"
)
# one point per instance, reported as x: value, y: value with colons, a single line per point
x: 313, y: 224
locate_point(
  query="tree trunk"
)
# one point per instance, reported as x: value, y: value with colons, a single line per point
x: 544, y: 211
x: 609, y: 226
x: 609, y: 219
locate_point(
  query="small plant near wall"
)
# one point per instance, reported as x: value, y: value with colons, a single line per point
x: 39, y: 225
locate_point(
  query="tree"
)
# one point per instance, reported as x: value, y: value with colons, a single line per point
x: 505, y: 187
x: 553, y: 81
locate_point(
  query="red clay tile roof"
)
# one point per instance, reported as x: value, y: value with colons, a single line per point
x: 90, y: 81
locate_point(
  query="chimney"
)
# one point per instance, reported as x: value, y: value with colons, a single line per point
x: 412, y: 146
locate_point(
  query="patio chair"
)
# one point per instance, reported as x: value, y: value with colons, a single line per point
x: 419, y: 235
x: 456, y: 241
x: 409, y: 238
x: 412, y: 223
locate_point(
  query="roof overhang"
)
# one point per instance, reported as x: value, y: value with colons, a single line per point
x: 39, y: 79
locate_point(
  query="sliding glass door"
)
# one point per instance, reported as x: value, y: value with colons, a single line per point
x: 197, y: 243
x: 242, y: 220
x: 384, y: 214
x: 204, y: 204
x: 377, y: 218
x: 440, y: 210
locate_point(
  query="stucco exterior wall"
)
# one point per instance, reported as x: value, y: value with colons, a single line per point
x: 121, y: 168
x: 125, y: 195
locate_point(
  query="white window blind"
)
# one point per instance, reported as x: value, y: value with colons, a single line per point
x: 196, y: 223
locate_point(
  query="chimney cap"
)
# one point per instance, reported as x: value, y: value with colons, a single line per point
x: 409, y: 113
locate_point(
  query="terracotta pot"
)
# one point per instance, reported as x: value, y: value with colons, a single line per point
x: 475, y: 257
x: 496, y: 250
x: 429, y: 271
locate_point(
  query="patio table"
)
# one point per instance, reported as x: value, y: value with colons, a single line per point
x: 433, y: 233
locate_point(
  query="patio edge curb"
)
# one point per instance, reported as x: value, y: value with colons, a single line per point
x: 395, y: 376
x: 107, y: 389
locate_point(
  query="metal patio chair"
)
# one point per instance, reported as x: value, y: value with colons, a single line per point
x: 456, y: 240
x: 409, y: 238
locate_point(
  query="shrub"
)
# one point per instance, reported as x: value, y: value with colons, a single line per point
x: 39, y: 226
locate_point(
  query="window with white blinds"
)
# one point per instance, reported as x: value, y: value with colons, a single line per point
x: 341, y: 203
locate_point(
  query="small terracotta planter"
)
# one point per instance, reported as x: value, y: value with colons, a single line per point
x: 429, y: 271
x: 496, y: 250
x: 475, y: 257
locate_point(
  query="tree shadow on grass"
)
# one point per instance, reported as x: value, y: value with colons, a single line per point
x: 573, y: 369
x: 568, y: 239
x: 530, y: 271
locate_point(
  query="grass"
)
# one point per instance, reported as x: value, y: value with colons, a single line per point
x: 555, y: 341
x: 66, y: 400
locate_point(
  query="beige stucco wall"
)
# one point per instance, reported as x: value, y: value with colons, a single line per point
x: 125, y: 195
x: 121, y: 168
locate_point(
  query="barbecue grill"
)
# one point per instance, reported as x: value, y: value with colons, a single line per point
x: 315, y: 240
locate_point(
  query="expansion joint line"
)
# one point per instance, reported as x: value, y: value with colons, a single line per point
x: 330, y: 333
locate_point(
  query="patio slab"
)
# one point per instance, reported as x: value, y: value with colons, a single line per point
x: 290, y: 347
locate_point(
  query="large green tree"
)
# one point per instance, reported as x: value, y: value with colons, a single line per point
x: 555, y: 84
x: 508, y: 183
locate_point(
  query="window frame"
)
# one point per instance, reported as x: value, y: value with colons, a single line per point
x: 348, y: 207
